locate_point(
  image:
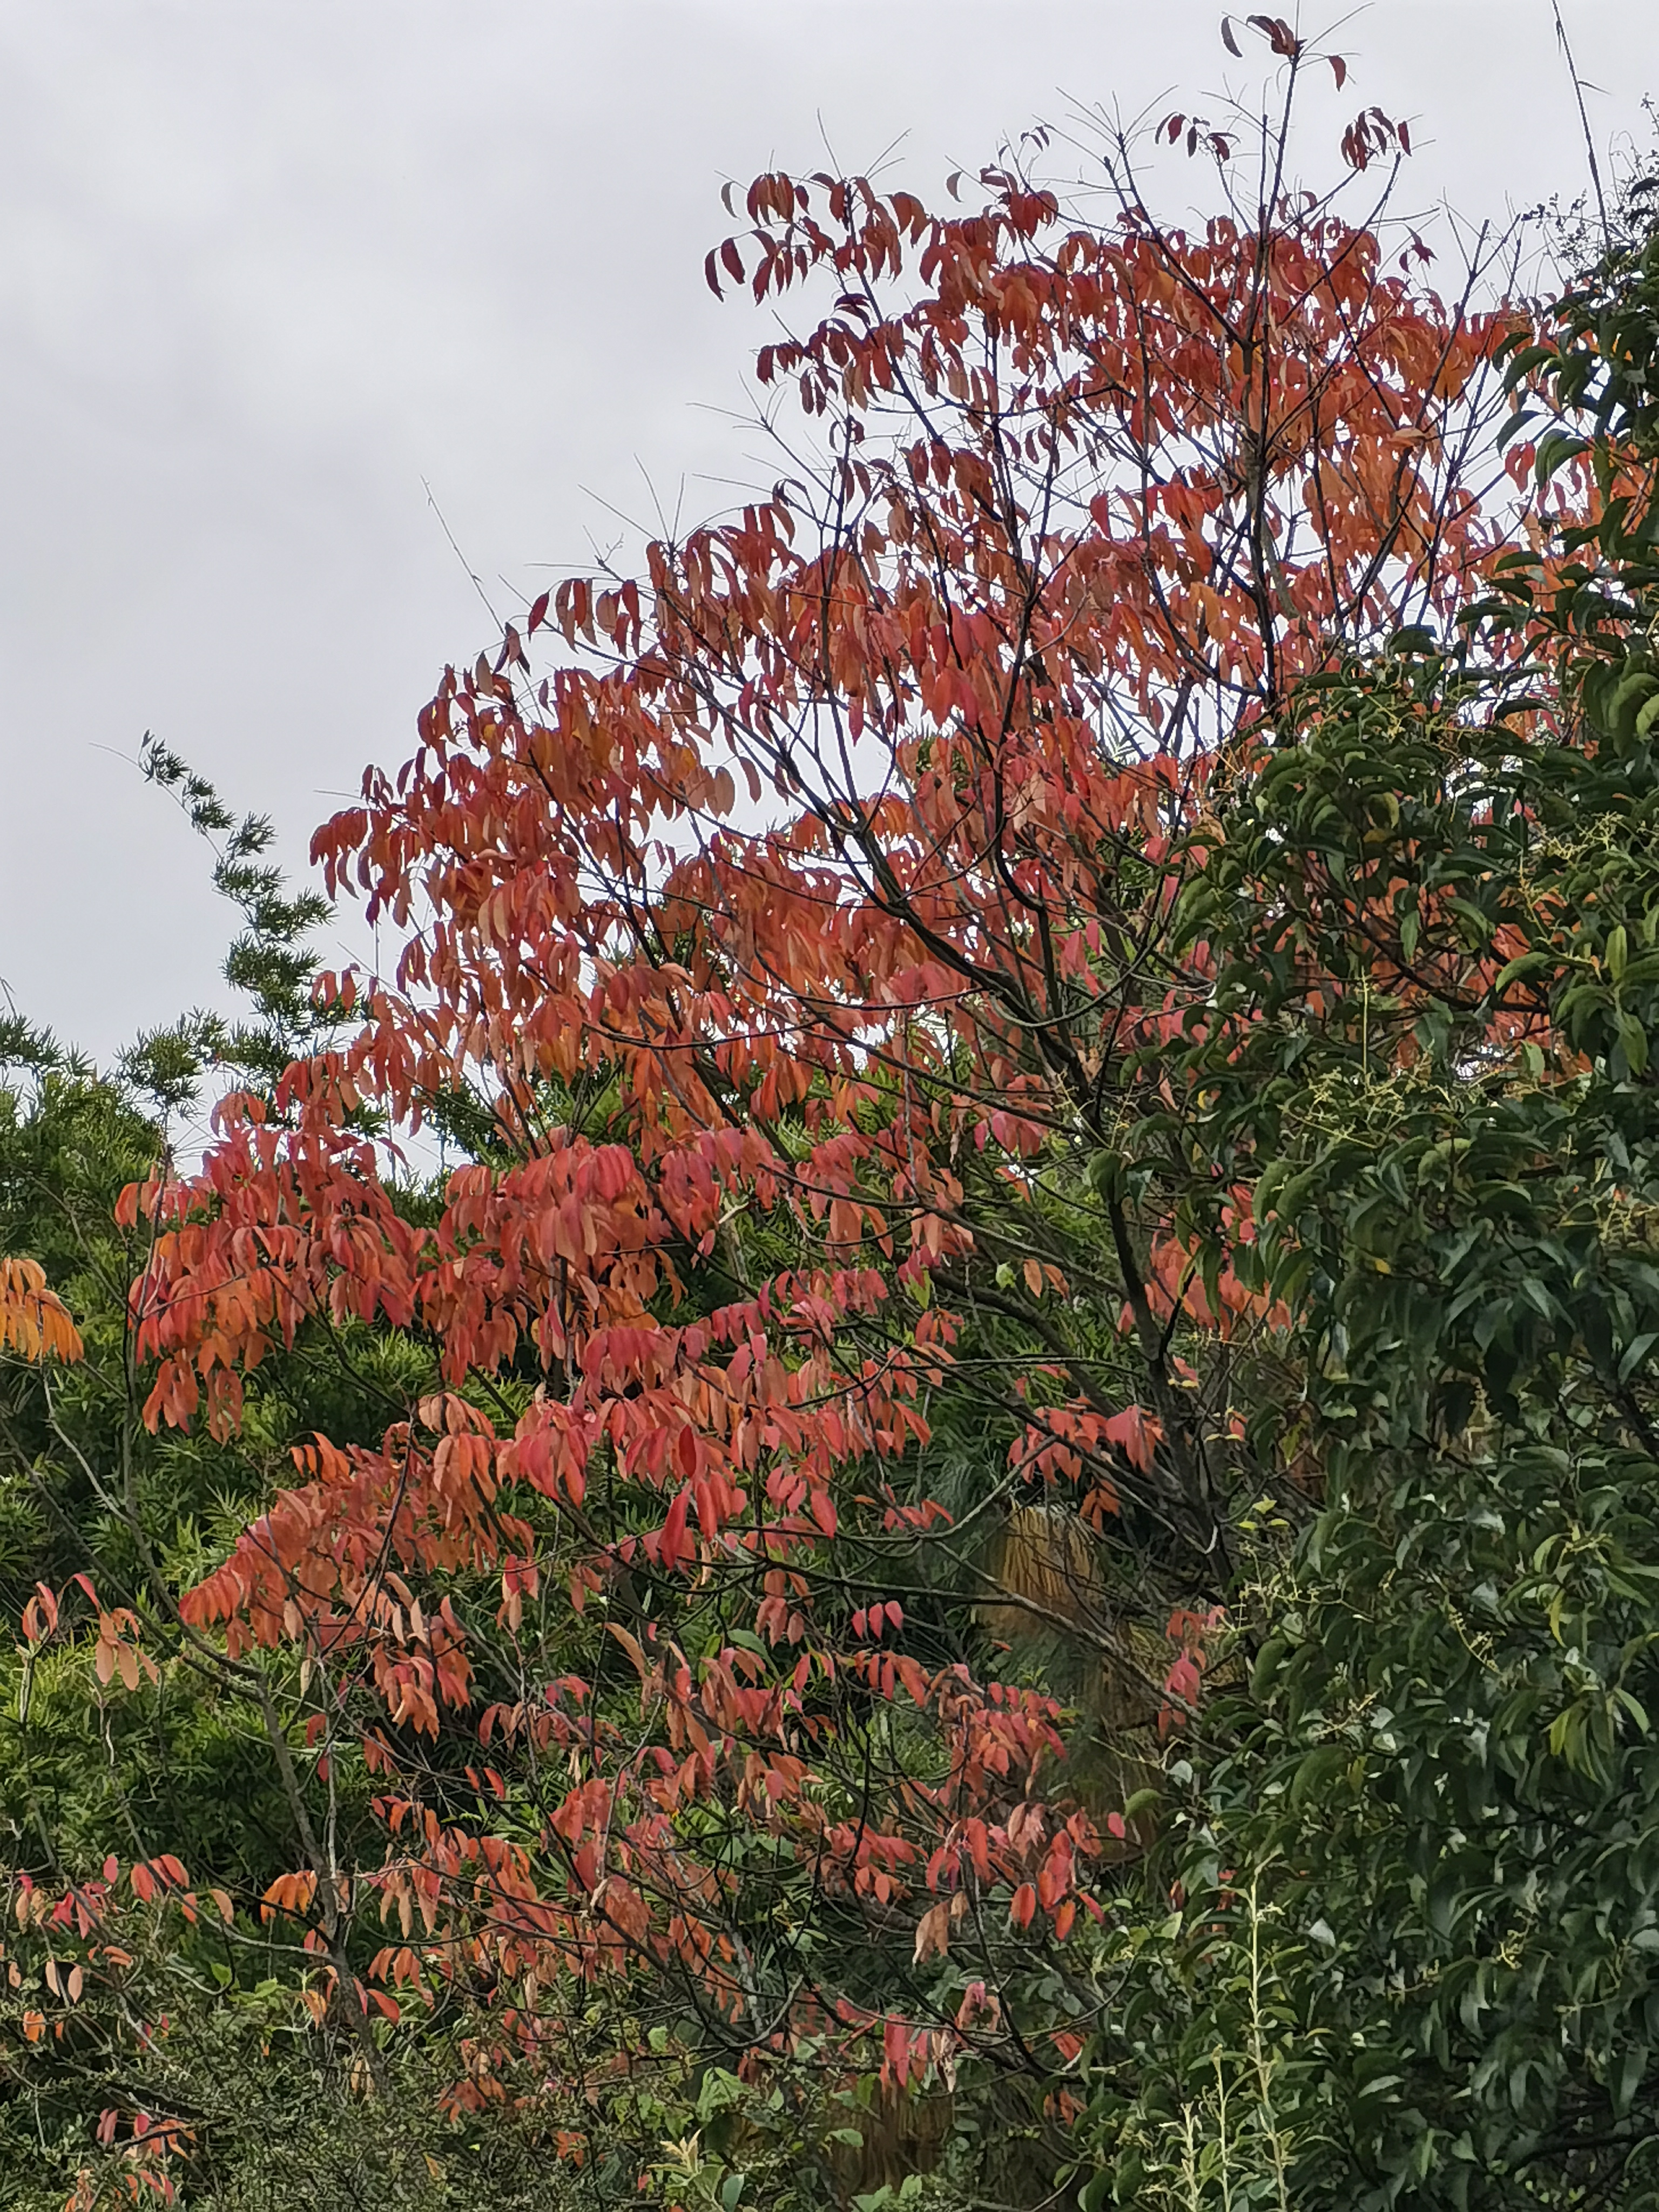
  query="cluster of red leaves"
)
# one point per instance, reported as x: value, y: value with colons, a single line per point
x: 34, y: 1322
x: 72, y: 1947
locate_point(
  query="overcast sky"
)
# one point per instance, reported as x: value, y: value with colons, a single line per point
x: 266, y: 265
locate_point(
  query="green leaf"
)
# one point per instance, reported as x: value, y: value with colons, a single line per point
x: 1318, y: 1769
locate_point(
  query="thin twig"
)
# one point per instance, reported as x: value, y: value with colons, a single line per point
x: 1583, y: 118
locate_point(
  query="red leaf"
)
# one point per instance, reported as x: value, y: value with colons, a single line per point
x: 673, y: 1545
x: 933, y: 1933
x: 1278, y: 35
x: 1228, y: 41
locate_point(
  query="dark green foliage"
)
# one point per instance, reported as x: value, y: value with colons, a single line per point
x: 184, y: 1763
x: 1417, y: 1962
